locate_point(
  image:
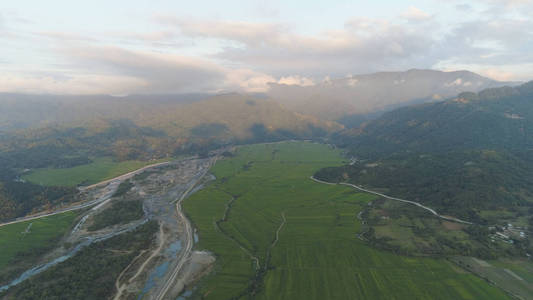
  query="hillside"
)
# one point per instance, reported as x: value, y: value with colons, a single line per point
x: 358, y: 95
x: 464, y: 157
x: 499, y: 118
x: 68, y: 132
x: 21, y: 111
x: 153, y: 128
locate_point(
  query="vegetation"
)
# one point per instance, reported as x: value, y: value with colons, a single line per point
x: 495, y: 119
x: 514, y: 276
x: 123, y: 188
x: 99, y: 169
x: 469, y: 157
x: 408, y: 230
x: 120, y: 212
x: 18, y: 199
x: 264, y: 191
x: 21, y: 244
x: 458, y: 183
x: 142, y: 131
x: 91, y: 273
x: 82, y: 140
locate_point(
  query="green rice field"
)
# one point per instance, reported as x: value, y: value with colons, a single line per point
x: 266, y: 189
x: 43, y: 233
x: 100, y: 169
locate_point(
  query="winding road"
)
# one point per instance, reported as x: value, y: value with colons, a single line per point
x: 396, y: 199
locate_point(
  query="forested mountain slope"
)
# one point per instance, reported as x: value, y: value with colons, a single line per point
x: 499, y: 118
x: 462, y: 156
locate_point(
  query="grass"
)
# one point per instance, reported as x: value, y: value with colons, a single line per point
x: 42, y: 234
x: 318, y: 254
x: 100, y: 169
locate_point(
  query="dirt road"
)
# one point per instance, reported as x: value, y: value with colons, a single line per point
x: 187, y: 240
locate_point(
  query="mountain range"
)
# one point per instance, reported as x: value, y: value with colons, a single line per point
x: 360, y: 95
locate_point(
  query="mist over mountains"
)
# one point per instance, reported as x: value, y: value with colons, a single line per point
x: 366, y: 94
x: 497, y: 118
x: 346, y: 100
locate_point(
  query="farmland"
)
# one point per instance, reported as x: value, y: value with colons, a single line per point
x: 21, y: 243
x: 513, y: 275
x: 279, y: 235
x: 100, y: 169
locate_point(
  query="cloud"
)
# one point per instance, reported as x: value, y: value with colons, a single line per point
x: 464, y: 7
x: 181, y: 54
x: 296, y: 80
x: 491, y: 42
x: 247, y: 80
x: 162, y: 72
x: 75, y: 84
x: 363, y: 45
x: 65, y: 36
x: 497, y: 74
x: 416, y: 14
x: 246, y: 32
x: 265, y: 8
x: 114, y: 70
x: 508, y: 3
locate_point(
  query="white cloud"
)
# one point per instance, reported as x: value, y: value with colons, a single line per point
x: 198, y: 55
x: 76, y: 84
x: 65, y: 36
x: 363, y: 45
x: 416, y: 14
x: 498, y: 74
x: 247, y: 80
x: 296, y: 80
x: 508, y: 2
x: 163, y: 72
x: 464, y: 7
x: 115, y: 70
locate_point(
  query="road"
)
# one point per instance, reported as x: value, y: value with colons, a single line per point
x: 188, y: 239
x: 59, y: 211
x: 90, y: 203
x: 397, y: 199
x: 124, y: 176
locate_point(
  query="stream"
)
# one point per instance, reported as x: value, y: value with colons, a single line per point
x: 88, y: 241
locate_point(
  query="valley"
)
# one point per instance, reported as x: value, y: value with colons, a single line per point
x: 160, y: 188
x: 244, y: 210
x: 258, y: 227
x: 265, y: 150
x: 281, y: 235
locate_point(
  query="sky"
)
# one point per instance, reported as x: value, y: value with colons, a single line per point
x: 163, y: 46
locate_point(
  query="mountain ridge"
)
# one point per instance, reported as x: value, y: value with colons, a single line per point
x: 382, y: 91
